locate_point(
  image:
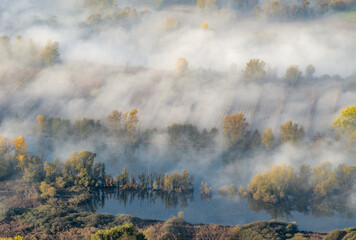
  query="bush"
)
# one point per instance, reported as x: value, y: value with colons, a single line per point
x: 127, y: 232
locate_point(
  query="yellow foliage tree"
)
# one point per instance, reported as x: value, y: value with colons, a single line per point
x: 50, y: 53
x: 130, y: 121
x: 41, y: 124
x: 14, y: 238
x: 324, y: 179
x: 267, y: 138
x: 346, y: 122
x: 235, y: 126
x: 20, y: 146
x: 291, y: 132
x: 273, y: 185
x: 204, y: 26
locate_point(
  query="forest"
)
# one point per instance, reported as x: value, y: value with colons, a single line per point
x: 179, y: 119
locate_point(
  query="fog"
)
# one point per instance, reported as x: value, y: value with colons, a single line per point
x: 132, y: 63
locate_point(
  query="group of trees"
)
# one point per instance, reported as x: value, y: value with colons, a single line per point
x: 237, y: 135
x: 124, y: 127
x: 120, y: 125
x: 255, y: 71
x: 80, y: 170
x: 189, y: 135
x: 28, y: 51
x: 15, y: 158
x: 153, y: 181
x: 281, y: 183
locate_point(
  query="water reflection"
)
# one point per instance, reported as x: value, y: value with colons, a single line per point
x: 170, y: 200
x: 317, y: 207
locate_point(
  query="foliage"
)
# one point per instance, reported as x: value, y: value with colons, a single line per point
x: 293, y: 75
x: 266, y: 231
x: 228, y: 191
x: 206, y: 3
x: 346, y: 121
x: 309, y: 71
x: 205, y: 190
x: 290, y: 132
x: 14, y: 238
x: 235, y: 126
x: 188, y: 134
x: 254, y: 71
x: 345, y: 234
x: 127, y: 231
x: 58, y: 218
x: 267, y: 138
x: 50, y: 53
x: 281, y: 183
x: 80, y: 170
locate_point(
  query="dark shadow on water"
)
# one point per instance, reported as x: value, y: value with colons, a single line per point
x: 125, y: 197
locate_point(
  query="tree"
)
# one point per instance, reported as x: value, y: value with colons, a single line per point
x: 323, y: 179
x: 256, y: 140
x: 47, y: 190
x: 293, y: 75
x: 113, y: 120
x: 267, y: 138
x: 273, y: 185
x: 129, y: 122
x: 79, y: 169
x: 7, y: 163
x: 310, y: 70
x: 345, y: 123
x: 182, y: 65
x: 21, y: 152
x: 206, y: 3
x: 181, y: 214
x: 20, y: 146
x: 41, y: 124
x: 254, y: 71
x: 291, y: 132
x: 50, y: 53
x: 204, y: 26
x: 235, y: 126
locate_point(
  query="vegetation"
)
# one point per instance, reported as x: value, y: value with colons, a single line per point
x: 254, y: 71
x: 345, y: 123
x: 127, y: 231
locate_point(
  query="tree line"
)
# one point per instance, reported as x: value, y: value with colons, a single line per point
x: 80, y: 170
x: 123, y: 126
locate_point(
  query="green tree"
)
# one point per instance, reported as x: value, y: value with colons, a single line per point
x: 123, y: 232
